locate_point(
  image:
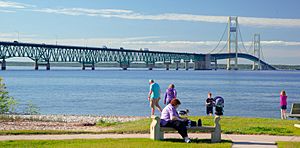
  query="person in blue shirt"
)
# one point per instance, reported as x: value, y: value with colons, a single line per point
x: 154, y: 96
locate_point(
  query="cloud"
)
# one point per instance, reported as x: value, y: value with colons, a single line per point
x: 130, y: 14
x: 14, y: 35
x: 7, y: 11
x: 269, y: 22
x: 83, y: 11
x: 247, y: 21
x: 280, y: 43
x: 9, y: 4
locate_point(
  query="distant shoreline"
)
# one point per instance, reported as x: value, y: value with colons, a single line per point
x: 76, y: 118
x: 143, y: 65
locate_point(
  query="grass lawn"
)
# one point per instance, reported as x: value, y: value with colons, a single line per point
x: 288, y: 144
x: 229, y: 125
x: 113, y: 143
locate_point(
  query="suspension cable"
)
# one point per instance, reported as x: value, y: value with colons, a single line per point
x: 222, y: 48
x: 220, y: 39
x: 262, y: 54
x: 249, y: 49
x: 238, y: 26
x: 240, y: 50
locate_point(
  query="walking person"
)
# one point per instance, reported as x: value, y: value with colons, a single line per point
x: 170, y: 94
x: 283, y: 104
x: 154, y: 96
x: 170, y: 118
x: 209, y: 103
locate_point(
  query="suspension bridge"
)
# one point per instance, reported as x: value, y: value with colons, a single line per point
x: 45, y: 54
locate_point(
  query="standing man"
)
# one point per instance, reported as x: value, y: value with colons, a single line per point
x: 154, y: 96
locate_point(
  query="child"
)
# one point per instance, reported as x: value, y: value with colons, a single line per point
x: 283, y: 104
x: 209, y: 103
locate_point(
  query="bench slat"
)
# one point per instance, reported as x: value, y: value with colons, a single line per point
x: 201, y: 128
x: 295, y: 109
x: 294, y: 115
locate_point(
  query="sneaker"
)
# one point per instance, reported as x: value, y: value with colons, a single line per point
x: 187, y: 140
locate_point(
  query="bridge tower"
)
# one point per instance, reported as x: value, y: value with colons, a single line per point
x: 256, y: 51
x: 232, y: 41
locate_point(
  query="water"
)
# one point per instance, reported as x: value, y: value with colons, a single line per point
x: 117, y: 92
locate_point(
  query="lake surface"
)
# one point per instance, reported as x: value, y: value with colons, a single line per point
x: 117, y: 92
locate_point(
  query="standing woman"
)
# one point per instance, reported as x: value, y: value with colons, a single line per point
x: 283, y: 104
x: 170, y: 94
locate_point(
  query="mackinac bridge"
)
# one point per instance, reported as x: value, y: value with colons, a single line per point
x: 45, y: 54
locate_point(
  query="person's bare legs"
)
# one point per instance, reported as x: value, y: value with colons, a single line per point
x: 284, y: 113
x: 152, y: 102
x: 281, y: 113
x: 157, y: 105
x: 152, y: 110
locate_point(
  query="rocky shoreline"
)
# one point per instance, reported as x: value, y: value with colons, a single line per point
x: 60, y: 122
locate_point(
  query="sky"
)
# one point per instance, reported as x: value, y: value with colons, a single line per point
x: 193, y: 26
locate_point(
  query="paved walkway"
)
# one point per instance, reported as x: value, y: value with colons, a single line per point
x: 257, y: 141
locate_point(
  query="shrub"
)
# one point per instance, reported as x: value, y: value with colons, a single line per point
x: 7, y: 103
x: 31, y: 109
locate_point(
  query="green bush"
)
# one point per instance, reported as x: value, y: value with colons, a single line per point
x: 7, y: 103
x: 31, y: 109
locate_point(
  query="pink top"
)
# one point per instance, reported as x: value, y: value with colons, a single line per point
x: 283, y: 100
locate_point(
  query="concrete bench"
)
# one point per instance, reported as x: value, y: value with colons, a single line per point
x: 157, y: 132
x: 295, y: 112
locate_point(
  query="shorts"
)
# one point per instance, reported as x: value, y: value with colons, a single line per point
x: 283, y: 106
x: 154, y: 102
x: 209, y: 110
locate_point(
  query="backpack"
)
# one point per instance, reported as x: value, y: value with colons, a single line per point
x: 219, y: 101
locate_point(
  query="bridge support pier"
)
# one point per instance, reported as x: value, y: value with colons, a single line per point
x: 92, y: 65
x: 3, y: 64
x: 216, y: 64
x: 83, y: 66
x: 48, y: 65
x: 186, y: 65
x: 36, y: 64
x: 203, y: 64
x: 177, y: 64
x: 124, y: 65
x: 167, y: 65
x: 256, y: 67
x: 150, y: 65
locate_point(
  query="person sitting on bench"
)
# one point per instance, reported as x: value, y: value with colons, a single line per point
x: 170, y: 118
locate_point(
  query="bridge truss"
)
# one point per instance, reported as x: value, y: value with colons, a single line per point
x: 43, y: 54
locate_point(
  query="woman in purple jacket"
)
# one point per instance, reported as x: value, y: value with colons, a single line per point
x: 170, y: 94
x: 170, y: 118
